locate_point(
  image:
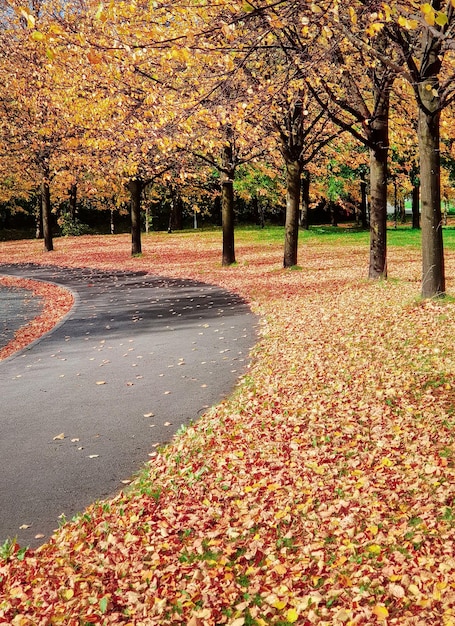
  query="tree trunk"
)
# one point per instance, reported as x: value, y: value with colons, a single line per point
x: 416, y: 205
x: 227, y: 213
x: 175, y: 217
x: 433, y: 273
x: 73, y: 202
x: 227, y: 205
x: 39, y: 218
x: 47, y: 216
x: 135, y: 189
x: 379, y: 141
x: 291, y: 230
x: 402, y: 210
x: 363, y: 204
x: 304, y: 216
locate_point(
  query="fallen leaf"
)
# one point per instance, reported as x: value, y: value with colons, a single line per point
x: 381, y: 612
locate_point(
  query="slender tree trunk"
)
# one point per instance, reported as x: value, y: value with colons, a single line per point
x: 379, y: 139
x: 39, y: 218
x: 363, y: 204
x: 402, y: 210
x: 304, y: 215
x: 291, y: 229
x: 175, y: 217
x: 47, y: 216
x: 416, y: 205
x: 227, y: 216
x: 227, y: 205
x: 135, y: 189
x: 73, y: 202
x: 433, y: 273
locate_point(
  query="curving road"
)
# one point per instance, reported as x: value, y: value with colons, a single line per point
x: 76, y: 406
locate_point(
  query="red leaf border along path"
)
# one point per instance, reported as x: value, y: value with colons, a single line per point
x: 57, y: 302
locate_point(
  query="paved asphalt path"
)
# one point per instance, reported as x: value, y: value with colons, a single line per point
x: 163, y: 346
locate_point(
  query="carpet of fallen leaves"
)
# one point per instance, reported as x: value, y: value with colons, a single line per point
x: 321, y: 492
x: 57, y: 303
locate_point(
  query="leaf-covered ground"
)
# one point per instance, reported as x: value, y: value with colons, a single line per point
x: 321, y: 492
x: 57, y: 302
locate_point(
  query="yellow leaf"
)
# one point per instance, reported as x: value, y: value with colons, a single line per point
x: 67, y: 594
x: 37, y: 36
x: 441, y: 19
x: 292, y: 616
x: 30, y: 18
x: 374, y: 549
x: 414, y: 589
x: 99, y: 12
x: 381, y: 612
x: 279, y: 604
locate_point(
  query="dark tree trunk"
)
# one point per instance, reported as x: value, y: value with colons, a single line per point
x: 378, y: 213
x: 73, y: 202
x: 47, y: 216
x: 333, y: 211
x: 227, y: 205
x: 175, y: 213
x: 39, y: 218
x: 135, y: 187
x: 304, y: 211
x: 402, y: 210
x: 416, y: 205
x: 363, y: 204
x: 379, y: 141
x: 291, y: 230
x: 227, y: 217
x: 433, y: 273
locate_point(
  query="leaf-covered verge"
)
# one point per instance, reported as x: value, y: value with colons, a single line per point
x: 57, y: 303
x: 321, y: 492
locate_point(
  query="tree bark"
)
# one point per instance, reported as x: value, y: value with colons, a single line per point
x: 175, y: 212
x: 363, y: 204
x: 39, y: 218
x: 47, y: 216
x: 227, y: 213
x: 291, y: 234
x: 433, y: 272
x: 135, y: 189
x: 379, y: 141
x: 227, y: 205
x: 416, y: 205
x: 73, y: 202
x: 304, y: 215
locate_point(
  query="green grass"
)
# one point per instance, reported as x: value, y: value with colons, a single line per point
x: 346, y: 234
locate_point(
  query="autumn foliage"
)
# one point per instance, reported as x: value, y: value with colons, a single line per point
x: 57, y: 303
x: 321, y: 492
